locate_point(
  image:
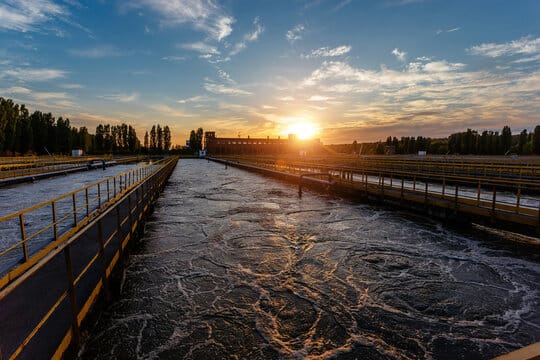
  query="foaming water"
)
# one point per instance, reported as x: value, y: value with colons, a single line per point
x: 235, y: 265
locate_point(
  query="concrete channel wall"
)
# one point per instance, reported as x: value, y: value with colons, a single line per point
x: 42, y: 311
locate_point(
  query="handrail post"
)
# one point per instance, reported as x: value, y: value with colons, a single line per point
x: 72, y: 299
x: 518, y: 197
x: 87, y: 205
x: 23, y: 237
x: 443, y: 187
x: 74, y: 209
x: 494, y: 199
x: 103, y: 260
x: 55, y: 227
x: 478, y: 194
x: 99, y: 195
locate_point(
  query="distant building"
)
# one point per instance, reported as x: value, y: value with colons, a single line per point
x: 259, y: 146
x: 77, y: 152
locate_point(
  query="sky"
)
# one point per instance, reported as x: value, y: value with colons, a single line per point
x: 354, y: 69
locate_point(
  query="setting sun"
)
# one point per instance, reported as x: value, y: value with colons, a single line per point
x: 302, y: 129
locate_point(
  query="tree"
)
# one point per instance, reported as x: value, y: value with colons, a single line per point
x: 153, y: 140
x: 522, y: 140
x: 146, y: 141
x: 159, y: 136
x: 506, y: 139
x: 166, y: 138
x: 536, y: 140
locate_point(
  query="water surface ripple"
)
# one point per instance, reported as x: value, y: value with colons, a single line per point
x: 235, y: 265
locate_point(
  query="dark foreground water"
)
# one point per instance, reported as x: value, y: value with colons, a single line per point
x: 234, y: 265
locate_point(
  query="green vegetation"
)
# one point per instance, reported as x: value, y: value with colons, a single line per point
x: 470, y: 142
x: 40, y: 133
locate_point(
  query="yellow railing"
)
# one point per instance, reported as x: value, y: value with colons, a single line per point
x: 512, y: 199
x: 76, y: 270
x: 61, y: 217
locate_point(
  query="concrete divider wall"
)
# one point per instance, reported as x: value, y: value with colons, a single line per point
x: 42, y: 311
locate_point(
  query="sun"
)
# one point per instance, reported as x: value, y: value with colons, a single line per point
x: 302, y: 129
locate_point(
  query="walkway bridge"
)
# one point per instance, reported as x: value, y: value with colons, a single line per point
x: 495, y: 191
x: 64, y: 256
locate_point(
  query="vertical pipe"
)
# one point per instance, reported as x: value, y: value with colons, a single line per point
x: 108, y: 191
x: 23, y: 237
x: 402, y: 187
x: 55, y: 227
x: 72, y: 299
x: 114, y: 186
x: 414, y: 184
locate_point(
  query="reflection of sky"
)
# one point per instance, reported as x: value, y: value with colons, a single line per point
x: 360, y: 70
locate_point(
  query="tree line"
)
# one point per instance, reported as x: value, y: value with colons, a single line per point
x: 470, y: 142
x: 41, y: 133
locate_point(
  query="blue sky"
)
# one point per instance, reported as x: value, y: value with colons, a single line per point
x: 356, y: 69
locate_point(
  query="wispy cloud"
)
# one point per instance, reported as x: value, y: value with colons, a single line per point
x: 318, y: 98
x: 173, y: 58
x: 201, y: 47
x: 295, y: 33
x: 249, y: 37
x: 96, y: 52
x: 390, y: 3
x: 71, y: 86
x: 440, y: 31
x: 286, y: 98
x: 328, y: 52
x: 28, y: 15
x: 341, y: 5
x: 29, y: 74
x: 120, y: 97
x: 524, y: 46
x: 400, y: 55
x: 224, y: 89
x: 193, y: 99
x: 203, y: 15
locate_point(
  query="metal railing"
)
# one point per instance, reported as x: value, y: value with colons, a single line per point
x: 73, y: 273
x: 40, y: 227
x: 511, y: 199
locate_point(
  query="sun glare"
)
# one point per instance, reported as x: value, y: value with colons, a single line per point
x: 302, y: 129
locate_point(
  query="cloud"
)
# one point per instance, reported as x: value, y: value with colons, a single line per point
x: 249, y: 37
x: 286, y: 98
x: 319, y: 98
x: 201, y: 47
x: 400, y: 55
x: 27, y: 15
x: 524, y: 46
x: 173, y: 58
x: 438, y: 32
x: 295, y: 33
x: 26, y: 74
x: 96, y: 52
x: 17, y: 90
x: 197, y: 98
x: 224, y: 89
x: 391, y: 3
x: 328, y: 52
x: 225, y: 77
x: 120, y: 97
x: 203, y: 15
x: 71, y: 86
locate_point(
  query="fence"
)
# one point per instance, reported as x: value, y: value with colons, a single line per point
x: 44, y: 302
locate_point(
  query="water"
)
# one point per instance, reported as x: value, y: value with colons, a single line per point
x: 235, y: 265
x: 18, y: 197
